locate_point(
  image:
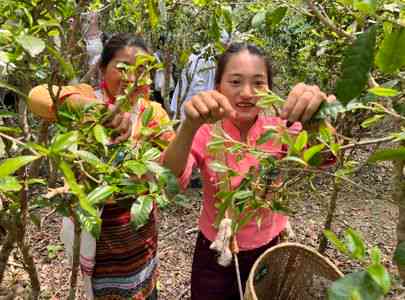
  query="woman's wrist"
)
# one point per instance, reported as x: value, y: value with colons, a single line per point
x: 189, y: 128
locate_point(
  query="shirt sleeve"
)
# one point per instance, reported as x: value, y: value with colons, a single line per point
x: 40, y: 100
x: 196, y: 156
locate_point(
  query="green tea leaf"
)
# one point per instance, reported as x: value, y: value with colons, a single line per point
x: 388, y: 154
x: 309, y: 153
x: 356, y: 66
x: 295, y: 159
x: 371, y: 121
x: 359, y: 284
x: 273, y: 18
x: 76, y: 189
x: 15, y: 130
x: 375, y: 255
x: 90, y: 158
x: 399, y: 254
x: 216, y: 144
x: 152, y: 154
x: 101, y: 136
x: 147, y: 116
x: 7, y: 86
x: 366, y: 6
x: 391, y: 55
x: 338, y: 244
x: 355, y: 244
x: 9, y: 184
x: 265, y: 137
x: 153, y: 13
x: 218, y: 167
x: 380, y: 276
x: 301, y: 141
x: 136, y: 167
x: 215, y: 30
x: 258, y: 19
x: 101, y: 193
x: 66, y: 65
x: 141, y: 210
x: 10, y: 165
x: 64, y: 141
x: 31, y: 44
x: 227, y: 15
x: 329, y: 110
x: 383, y: 92
x: 240, y: 195
x: 154, y: 167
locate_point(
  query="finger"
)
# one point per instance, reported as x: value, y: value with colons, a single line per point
x: 123, y: 137
x: 226, y: 108
x: 292, y: 98
x: 201, y: 107
x: 125, y: 123
x: 190, y: 111
x: 331, y: 98
x: 301, y: 104
x: 215, y: 111
x: 313, y: 103
x: 116, y: 121
x: 310, y: 110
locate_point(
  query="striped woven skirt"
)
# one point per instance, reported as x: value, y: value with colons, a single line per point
x: 126, y: 262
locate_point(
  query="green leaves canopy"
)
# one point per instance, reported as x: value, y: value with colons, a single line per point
x: 356, y: 66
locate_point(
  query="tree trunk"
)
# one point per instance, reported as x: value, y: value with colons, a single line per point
x: 42, y: 140
x: 329, y: 218
x: 5, y: 253
x: 23, y: 118
x: 21, y: 222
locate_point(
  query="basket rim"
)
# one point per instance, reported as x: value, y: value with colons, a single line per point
x: 250, y: 285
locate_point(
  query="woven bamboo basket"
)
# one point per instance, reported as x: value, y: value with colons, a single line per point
x: 290, y: 271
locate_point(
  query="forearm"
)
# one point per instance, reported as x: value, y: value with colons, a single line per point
x: 176, y: 154
x: 77, y: 100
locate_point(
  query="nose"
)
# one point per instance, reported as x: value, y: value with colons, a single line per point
x: 247, y: 91
x: 131, y: 77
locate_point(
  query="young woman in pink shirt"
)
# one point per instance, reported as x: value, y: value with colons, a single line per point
x: 242, y: 70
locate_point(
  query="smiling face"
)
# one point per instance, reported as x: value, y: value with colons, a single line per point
x: 114, y: 78
x: 244, y: 75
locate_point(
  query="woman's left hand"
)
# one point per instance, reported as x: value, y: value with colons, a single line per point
x: 122, y: 123
x: 303, y: 102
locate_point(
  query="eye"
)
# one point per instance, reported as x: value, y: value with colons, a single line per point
x: 260, y: 83
x: 234, y: 82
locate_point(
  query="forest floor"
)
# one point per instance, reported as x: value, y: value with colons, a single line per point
x: 371, y: 213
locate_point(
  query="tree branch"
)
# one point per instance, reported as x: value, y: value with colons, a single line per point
x: 328, y: 22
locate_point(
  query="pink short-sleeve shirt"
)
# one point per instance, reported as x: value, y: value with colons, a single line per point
x: 250, y: 236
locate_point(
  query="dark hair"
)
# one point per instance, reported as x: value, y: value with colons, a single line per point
x: 116, y: 43
x: 235, y: 48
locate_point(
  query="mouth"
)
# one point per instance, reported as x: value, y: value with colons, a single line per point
x: 245, y: 105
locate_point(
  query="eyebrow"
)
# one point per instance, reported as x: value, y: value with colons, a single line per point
x: 255, y: 76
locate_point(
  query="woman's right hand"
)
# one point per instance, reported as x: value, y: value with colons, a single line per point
x: 207, y: 107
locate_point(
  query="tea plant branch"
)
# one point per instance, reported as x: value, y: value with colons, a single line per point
x: 21, y: 226
x: 367, y: 142
x: 87, y: 174
x: 343, y: 178
x: 324, y: 18
x: 10, y: 138
x: 328, y: 22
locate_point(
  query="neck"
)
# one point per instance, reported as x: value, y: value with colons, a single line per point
x: 244, y: 127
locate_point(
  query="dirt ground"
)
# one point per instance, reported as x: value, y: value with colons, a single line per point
x: 372, y: 213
